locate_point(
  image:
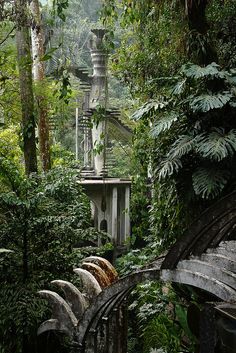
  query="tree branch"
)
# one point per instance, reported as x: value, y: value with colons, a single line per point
x: 7, y: 36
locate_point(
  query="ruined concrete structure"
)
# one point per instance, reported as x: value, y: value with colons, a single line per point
x: 110, y: 197
x: 110, y: 201
x: 204, y: 258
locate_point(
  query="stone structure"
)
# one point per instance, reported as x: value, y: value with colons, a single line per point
x: 96, y: 320
x: 109, y: 196
x: 110, y: 199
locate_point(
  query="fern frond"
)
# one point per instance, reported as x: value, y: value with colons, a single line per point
x: 209, y: 182
x: 217, y: 145
x: 182, y: 146
x: 206, y: 102
x: 168, y: 167
x: 164, y: 123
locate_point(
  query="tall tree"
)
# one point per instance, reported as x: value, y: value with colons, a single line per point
x: 200, y: 47
x: 26, y: 88
x: 37, y: 38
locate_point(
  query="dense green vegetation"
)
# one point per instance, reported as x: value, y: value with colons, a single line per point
x: 174, y: 75
x: 177, y: 58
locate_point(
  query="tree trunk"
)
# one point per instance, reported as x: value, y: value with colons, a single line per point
x: 26, y: 89
x: 39, y: 76
x: 200, y: 48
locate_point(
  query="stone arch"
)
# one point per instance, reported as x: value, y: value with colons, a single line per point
x: 214, y: 225
x: 204, y: 258
x: 200, y: 273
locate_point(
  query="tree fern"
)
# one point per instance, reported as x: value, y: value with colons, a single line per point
x: 217, y: 145
x: 182, y: 146
x: 209, y: 182
x: 164, y: 123
x: 206, y: 102
x: 168, y: 167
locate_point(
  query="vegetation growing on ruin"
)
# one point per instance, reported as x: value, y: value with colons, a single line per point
x: 173, y: 68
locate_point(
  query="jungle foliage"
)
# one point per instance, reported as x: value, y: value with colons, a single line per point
x: 44, y: 218
x: 45, y: 221
x: 196, y: 122
x: 178, y: 59
x: 160, y: 59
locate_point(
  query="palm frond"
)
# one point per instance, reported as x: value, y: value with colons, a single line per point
x: 217, y: 145
x: 164, y: 123
x: 182, y: 146
x: 168, y: 167
x: 209, y: 182
x: 206, y: 102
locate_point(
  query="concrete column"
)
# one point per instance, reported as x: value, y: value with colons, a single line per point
x: 127, y: 212
x: 76, y: 132
x: 98, y: 95
x: 86, y: 146
x: 114, y: 214
x: 98, y: 140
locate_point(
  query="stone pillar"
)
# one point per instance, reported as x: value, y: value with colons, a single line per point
x: 98, y: 96
x: 114, y: 213
x: 76, y: 132
x: 127, y: 212
x: 87, y: 163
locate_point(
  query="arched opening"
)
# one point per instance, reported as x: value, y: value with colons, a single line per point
x: 103, y: 225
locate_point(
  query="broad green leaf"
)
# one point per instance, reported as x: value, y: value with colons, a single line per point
x: 217, y: 145
x: 182, y: 146
x: 195, y: 71
x: 232, y: 104
x: 209, y: 182
x: 231, y: 78
x: 49, y: 53
x: 149, y: 108
x: 164, y: 123
x: 179, y: 87
x: 181, y: 313
x: 206, y: 102
x: 168, y: 167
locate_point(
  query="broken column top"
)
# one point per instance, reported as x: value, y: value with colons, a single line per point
x: 96, y: 42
